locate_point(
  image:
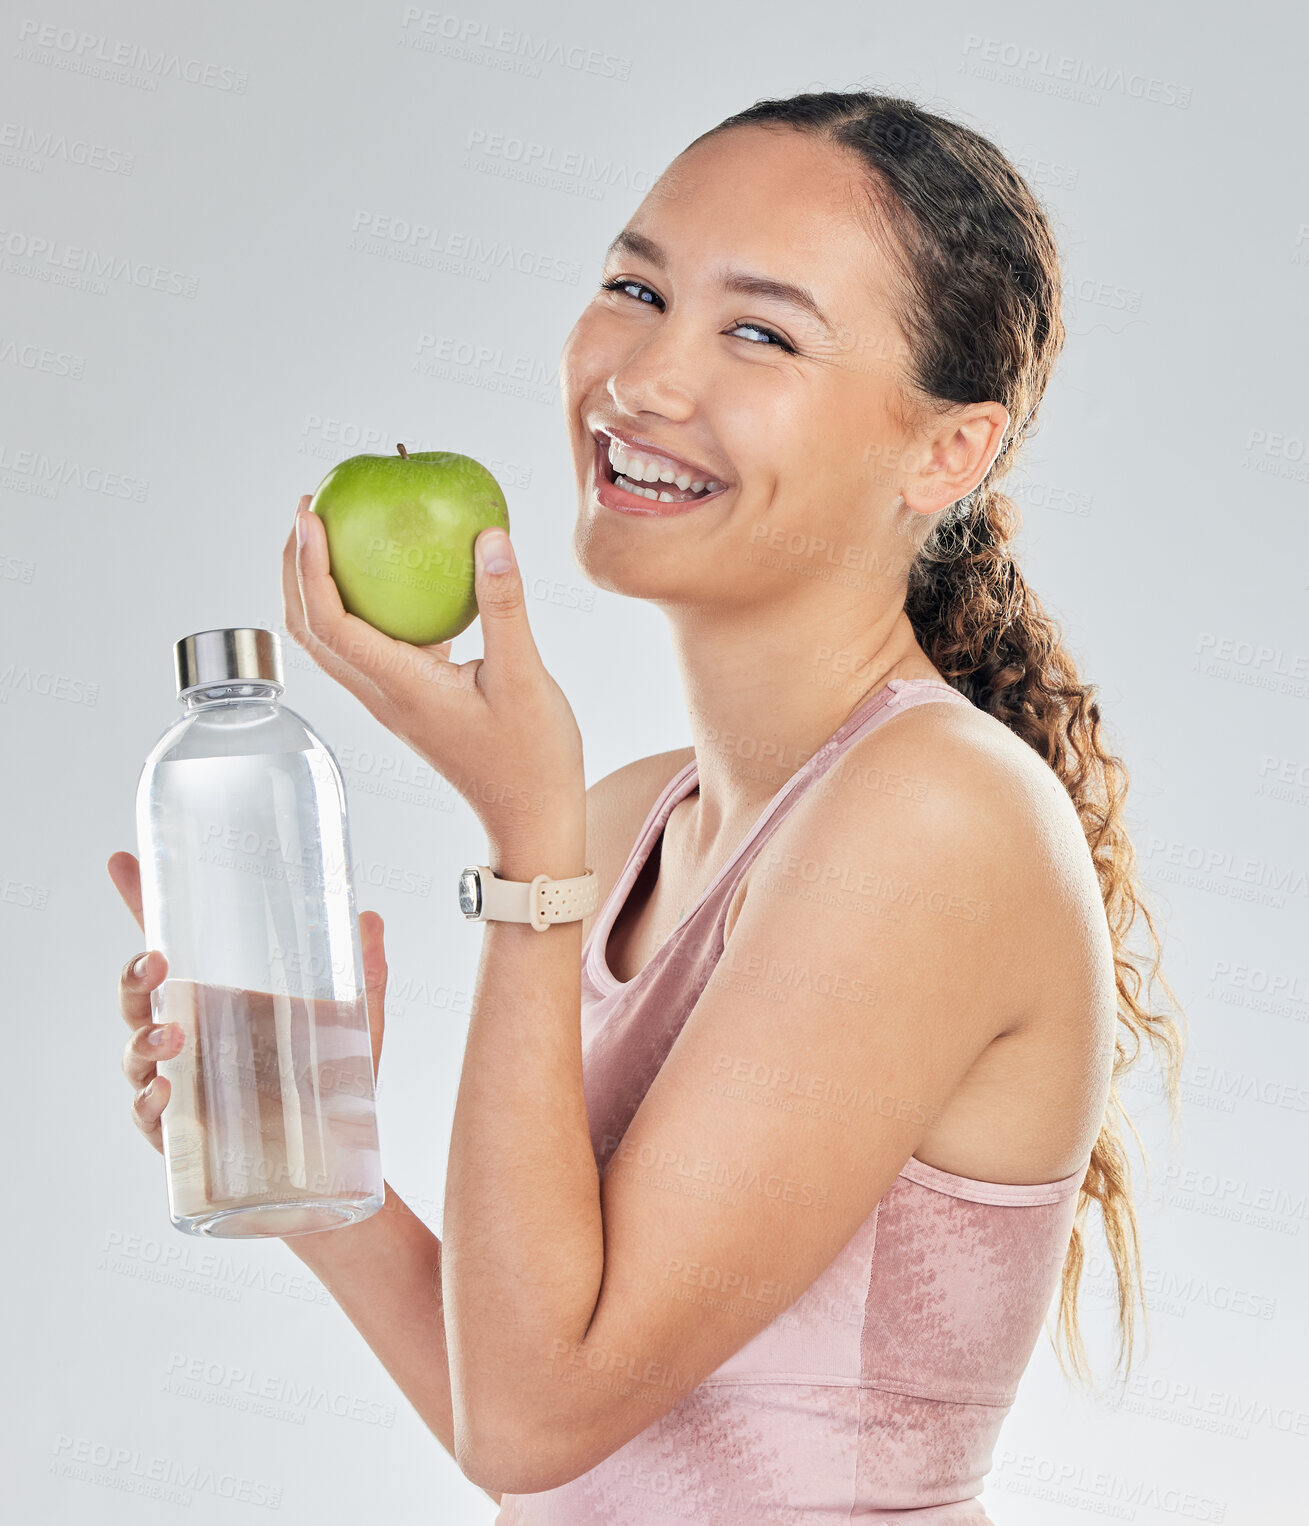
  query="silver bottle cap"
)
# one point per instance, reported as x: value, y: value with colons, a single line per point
x: 242, y: 655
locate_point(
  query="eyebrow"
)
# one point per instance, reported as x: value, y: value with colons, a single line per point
x: 740, y: 281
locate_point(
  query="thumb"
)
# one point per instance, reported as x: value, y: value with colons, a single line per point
x: 375, y: 972
x: 510, y: 651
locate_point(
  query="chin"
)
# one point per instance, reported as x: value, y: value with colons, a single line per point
x: 603, y: 560
x: 682, y: 579
x: 612, y: 559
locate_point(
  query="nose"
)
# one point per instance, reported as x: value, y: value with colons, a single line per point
x: 657, y: 377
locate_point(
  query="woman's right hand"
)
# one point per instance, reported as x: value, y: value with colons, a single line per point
x: 151, y: 1042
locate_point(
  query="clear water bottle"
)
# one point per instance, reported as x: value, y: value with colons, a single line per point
x: 270, y: 1127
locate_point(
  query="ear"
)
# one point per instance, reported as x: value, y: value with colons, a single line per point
x: 956, y: 453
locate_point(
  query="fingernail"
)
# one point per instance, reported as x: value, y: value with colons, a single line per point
x: 147, y: 1090
x: 138, y: 968
x: 301, y: 527
x: 496, y: 555
x: 157, y: 1035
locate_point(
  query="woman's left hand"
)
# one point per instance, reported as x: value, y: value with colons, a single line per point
x: 498, y: 727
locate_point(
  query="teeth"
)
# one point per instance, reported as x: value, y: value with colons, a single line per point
x: 637, y: 468
x: 644, y: 492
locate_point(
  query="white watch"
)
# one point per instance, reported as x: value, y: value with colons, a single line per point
x: 541, y: 901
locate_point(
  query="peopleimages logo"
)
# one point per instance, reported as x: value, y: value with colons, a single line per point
x: 420, y: 243
x: 480, y: 41
x: 155, y: 1475
x: 19, y: 142
x: 40, y: 357
x: 571, y: 171
x: 1057, y: 74
x: 1257, y: 663
x: 50, y: 259
x: 32, y: 471
x: 1100, y: 1490
x: 488, y: 366
x: 128, y: 63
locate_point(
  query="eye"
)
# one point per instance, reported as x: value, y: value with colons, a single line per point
x: 622, y: 283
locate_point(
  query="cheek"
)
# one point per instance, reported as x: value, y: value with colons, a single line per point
x: 833, y: 461
x: 578, y: 365
x: 570, y: 359
x: 591, y: 353
x: 795, y: 459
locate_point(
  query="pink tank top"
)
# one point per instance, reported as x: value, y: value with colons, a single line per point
x: 877, y: 1396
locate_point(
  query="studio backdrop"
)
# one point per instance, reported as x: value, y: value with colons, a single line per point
x: 242, y: 243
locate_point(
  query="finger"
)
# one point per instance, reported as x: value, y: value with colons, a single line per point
x: 125, y: 872
x: 147, y: 1106
x: 371, y: 929
x: 139, y: 977
x: 147, y: 1046
x: 510, y: 651
x: 352, y: 642
x: 389, y: 677
x: 347, y: 648
x: 296, y: 618
x: 293, y: 615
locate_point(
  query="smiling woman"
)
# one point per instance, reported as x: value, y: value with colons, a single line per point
x: 764, y: 1176
x: 854, y: 1007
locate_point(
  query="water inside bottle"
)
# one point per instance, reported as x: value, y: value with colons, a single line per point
x: 270, y: 1127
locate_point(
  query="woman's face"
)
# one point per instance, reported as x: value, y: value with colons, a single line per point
x: 792, y: 410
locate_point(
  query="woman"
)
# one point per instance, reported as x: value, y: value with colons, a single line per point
x: 758, y: 1197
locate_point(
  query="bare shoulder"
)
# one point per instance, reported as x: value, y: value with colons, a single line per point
x: 616, y: 807
x: 969, y: 777
x: 981, y: 831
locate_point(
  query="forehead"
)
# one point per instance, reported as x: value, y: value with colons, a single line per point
x: 775, y: 203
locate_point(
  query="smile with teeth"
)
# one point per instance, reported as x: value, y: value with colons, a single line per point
x: 634, y: 471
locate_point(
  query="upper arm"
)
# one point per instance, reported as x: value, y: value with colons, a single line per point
x: 860, y: 952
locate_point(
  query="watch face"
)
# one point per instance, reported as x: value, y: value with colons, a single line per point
x: 470, y: 893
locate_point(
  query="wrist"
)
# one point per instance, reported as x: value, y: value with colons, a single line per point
x: 554, y: 846
x: 562, y: 858
x: 332, y: 1249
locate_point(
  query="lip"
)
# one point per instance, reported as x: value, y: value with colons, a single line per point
x: 634, y: 442
x: 610, y: 496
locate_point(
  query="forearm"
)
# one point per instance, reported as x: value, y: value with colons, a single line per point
x: 385, y: 1273
x: 523, y: 1233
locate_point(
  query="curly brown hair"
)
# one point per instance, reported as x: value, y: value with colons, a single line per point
x: 978, y: 300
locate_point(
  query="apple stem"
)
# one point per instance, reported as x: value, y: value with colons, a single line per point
x: 404, y: 453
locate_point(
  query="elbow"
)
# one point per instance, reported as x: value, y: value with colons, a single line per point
x: 517, y: 1462
x: 496, y: 1475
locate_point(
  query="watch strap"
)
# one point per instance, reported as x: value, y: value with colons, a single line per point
x: 540, y: 901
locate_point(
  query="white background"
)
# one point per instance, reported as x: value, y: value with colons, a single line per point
x: 1164, y: 503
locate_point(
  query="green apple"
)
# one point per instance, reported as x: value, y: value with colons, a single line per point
x: 400, y: 533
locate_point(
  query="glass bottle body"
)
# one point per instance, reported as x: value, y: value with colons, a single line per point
x: 270, y: 1128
